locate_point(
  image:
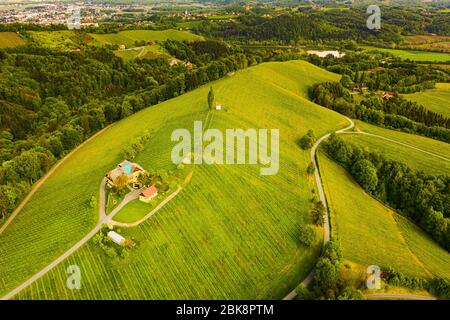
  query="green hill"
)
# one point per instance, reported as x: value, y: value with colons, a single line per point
x: 230, y: 233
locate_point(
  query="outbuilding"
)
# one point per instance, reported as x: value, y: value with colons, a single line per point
x: 117, y: 238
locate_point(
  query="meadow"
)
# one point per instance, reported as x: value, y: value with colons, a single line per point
x: 373, y: 234
x: 414, y: 55
x: 430, y: 145
x: 10, y: 40
x: 129, y: 37
x: 436, y: 100
x: 414, y: 159
x: 230, y: 233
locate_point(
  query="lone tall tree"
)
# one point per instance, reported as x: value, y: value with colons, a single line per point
x: 210, y: 98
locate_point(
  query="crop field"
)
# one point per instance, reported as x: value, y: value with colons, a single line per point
x: 129, y: 37
x: 430, y: 145
x: 415, y: 159
x: 414, y: 55
x: 370, y: 233
x: 10, y: 40
x: 436, y: 100
x: 210, y: 241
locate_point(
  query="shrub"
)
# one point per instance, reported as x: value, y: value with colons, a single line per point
x: 307, y: 235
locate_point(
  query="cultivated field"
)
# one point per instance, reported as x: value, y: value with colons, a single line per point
x: 230, y: 233
x: 431, y: 145
x: 437, y: 100
x: 129, y: 37
x: 370, y: 233
x: 10, y: 40
x: 414, y: 55
x: 416, y: 160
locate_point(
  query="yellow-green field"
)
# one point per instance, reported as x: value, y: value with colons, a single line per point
x: 230, y: 233
x: 372, y: 234
x: 129, y: 37
x: 436, y: 100
x: 414, y: 159
x: 414, y: 55
x: 10, y: 40
x: 431, y: 145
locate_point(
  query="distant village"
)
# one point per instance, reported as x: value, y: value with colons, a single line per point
x: 48, y: 13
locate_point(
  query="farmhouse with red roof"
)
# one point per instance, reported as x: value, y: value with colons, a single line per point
x: 148, y: 194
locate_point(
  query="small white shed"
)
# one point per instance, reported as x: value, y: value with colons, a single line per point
x: 218, y: 106
x: 117, y: 238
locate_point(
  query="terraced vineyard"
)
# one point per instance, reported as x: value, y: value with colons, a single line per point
x: 210, y: 241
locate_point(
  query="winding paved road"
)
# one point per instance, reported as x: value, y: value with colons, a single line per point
x: 326, y: 220
x: 326, y: 226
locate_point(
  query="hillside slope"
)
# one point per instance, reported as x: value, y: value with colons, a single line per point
x: 231, y: 233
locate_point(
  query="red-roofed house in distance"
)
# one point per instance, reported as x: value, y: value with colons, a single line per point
x: 148, y: 194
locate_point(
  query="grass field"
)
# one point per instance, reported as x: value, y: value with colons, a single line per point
x: 414, y: 55
x: 416, y: 160
x: 230, y: 233
x: 61, y: 40
x: 431, y: 145
x: 10, y: 40
x: 437, y: 100
x: 129, y: 37
x: 371, y: 233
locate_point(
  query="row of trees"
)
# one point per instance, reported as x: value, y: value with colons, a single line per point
x: 423, y: 198
x: 437, y: 286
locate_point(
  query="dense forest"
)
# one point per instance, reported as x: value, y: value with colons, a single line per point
x: 421, y: 197
x: 328, y: 26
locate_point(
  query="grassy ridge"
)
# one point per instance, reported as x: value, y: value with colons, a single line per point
x: 371, y: 233
x: 437, y: 100
x: 230, y: 233
x: 10, y: 40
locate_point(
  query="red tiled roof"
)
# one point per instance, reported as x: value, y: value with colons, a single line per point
x: 150, y: 191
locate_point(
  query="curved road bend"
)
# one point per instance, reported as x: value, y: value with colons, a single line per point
x: 326, y: 222
x: 103, y: 218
